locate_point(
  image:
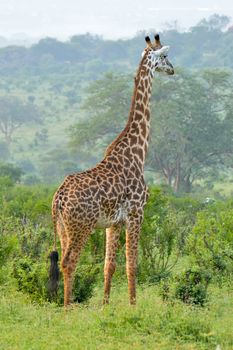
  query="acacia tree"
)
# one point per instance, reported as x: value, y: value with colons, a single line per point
x: 13, y: 114
x: 191, y: 127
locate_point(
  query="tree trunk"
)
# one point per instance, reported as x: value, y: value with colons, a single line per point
x: 8, y: 139
x: 187, y: 183
x: 176, y: 186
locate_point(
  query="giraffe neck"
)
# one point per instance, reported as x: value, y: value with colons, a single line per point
x: 132, y: 142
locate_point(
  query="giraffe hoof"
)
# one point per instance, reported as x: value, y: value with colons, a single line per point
x: 105, y: 301
x: 70, y: 307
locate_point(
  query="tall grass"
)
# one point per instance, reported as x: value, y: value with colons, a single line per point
x: 152, y: 324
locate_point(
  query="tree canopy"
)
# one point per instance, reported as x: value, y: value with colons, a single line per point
x: 191, y: 123
x: 13, y: 114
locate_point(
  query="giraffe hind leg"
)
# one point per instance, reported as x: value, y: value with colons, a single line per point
x: 63, y: 238
x: 69, y: 261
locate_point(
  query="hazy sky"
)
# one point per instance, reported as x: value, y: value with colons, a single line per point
x: 110, y: 18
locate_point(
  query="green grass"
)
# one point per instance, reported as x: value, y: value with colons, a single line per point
x: 152, y: 324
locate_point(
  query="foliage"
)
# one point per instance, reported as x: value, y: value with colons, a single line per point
x: 191, y: 132
x: 31, y: 277
x: 106, y: 116
x: 13, y: 114
x: 8, y: 246
x: 211, y: 242
x: 11, y: 171
x: 50, y: 54
x: 62, y: 85
x: 27, y: 202
x: 24, y: 249
x: 215, y: 22
x: 160, y: 242
x: 192, y: 286
x: 173, y: 227
x: 84, y: 283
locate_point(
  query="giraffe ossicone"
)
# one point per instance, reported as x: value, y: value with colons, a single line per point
x: 113, y: 193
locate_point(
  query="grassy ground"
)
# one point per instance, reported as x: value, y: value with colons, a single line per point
x: 152, y: 324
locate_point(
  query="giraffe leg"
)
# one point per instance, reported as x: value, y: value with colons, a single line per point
x: 69, y: 262
x: 132, y: 237
x: 63, y: 238
x: 112, y: 238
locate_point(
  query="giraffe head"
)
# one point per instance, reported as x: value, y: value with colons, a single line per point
x: 156, y: 54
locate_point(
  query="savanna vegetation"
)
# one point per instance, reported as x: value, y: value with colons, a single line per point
x: 61, y: 104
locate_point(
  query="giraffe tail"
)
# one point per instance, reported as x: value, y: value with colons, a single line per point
x: 54, y: 269
x: 53, y: 274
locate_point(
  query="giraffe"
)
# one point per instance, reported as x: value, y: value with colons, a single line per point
x: 113, y: 193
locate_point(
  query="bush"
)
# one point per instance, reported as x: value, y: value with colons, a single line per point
x: 162, y: 238
x: 32, y: 278
x: 192, y: 286
x: 211, y: 242
x: 84, y: 283
x: 9, y: 246
x: 28, y: 202
x: 26, y: 245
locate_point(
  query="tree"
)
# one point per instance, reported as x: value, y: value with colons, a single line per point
x: 215, y: 22
x: 191, y: 133
x: 13, y: 114
x: 106, y: 107
x: 10, y: 171
x: 41, y: 137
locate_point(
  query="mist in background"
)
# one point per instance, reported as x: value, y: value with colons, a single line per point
x: 26, y: 21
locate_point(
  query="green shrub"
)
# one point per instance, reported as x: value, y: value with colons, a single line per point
x: 211, y: 242
x: 32, y: 278
x: 26, y: 246
x: 84, y: 283
x: 192, y: 286
x: 31, y: 203
x: 9, y: 246
x: 162, y: 238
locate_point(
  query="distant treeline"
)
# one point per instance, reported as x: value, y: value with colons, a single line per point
x: 208, y: 44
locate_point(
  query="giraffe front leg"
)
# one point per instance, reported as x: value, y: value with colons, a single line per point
x: 112, y: 239
x: 132, y: 238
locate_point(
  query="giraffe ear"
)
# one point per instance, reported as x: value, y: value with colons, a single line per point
x: 163, y: 51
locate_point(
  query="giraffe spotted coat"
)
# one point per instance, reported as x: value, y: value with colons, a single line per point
x: 113, y: 193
